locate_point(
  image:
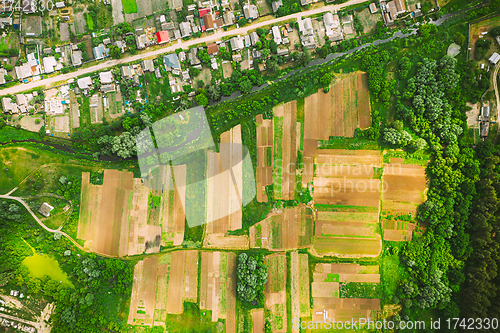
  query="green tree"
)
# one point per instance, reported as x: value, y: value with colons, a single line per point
x: 115, y: 52
x: 202, y: 100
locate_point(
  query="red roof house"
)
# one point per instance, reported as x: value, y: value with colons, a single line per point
x: 203, y: 11
x: 162, y: 37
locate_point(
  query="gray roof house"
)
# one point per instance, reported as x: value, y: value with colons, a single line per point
x: 106, y: 77
x: 8, y: 106
x: 185, y: 29
x: 305, y: 27
x: 250, y: 11
x: 193, y: 59
x: 276, y: 35
x: 228, y: 17
x: 254, y: 38
x: 171, y: 62
x: 236, y: 43
x: 85, y: 83
x: 76, y: 58
x: 3, y: 72
x: 148, y: 65
x: 127, y: 72
x: 276, y: 5
x: 45, y: 209
x: 305, y: 2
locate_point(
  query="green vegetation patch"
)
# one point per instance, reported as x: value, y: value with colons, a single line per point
x: 359, y: 290
x: 40, y: 265
x: 332, y: 277
x: 129, y: 6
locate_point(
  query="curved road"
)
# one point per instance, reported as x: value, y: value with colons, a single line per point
x: 22, y: 202
x: 184, y: 44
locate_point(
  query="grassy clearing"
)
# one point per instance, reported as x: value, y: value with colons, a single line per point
x: 392, y: 271
x: 90, y: 22
x: 348, y: 143
x: 129, y: 6
x: 341, y: 208
x: 418, y: 158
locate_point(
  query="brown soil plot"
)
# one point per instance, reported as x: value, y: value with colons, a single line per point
x: 326, y: 279
x: 258, y: 320
x: 265, y: 146
x: 291, y: 229
x: 142, y: 303
x: 275, y: 292
x: 225, y: 185
x: 161, y: 284
x: 405, y: 185
x: 218, y: 287
x: 340, y: 111
x: 347, y: 247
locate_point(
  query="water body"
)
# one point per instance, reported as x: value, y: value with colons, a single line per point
x: 40, y: 265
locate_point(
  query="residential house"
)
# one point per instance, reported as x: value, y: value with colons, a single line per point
x: 305, y: 2
x: 282, y: 52
x: 192, y: 56
x: 373, y: 8
x: 218, y: 23
x: 185, y: 29
x: 121, y: 44
x: 213, y: 49
x: 141, y: 41
x: 213, y: 64
x: 305, y: 27
x: 24, y: 71
x: 236, y: 43
x: 128, y: 72
x: 84, y: 83
x: 288, y: 27
x: 254, y: 38
x: 495, y: 57
x: 208, y: 20
x: 182, y: 56
x: 250, y: 11
x: 185, y: 76
x: 237, y: 57
x: 333, y: 28
x: 162, y: 37
x: 348, y: 24
x: 171, y: 62
x: 228, y: 17
x: 256, y: 54
x: 3, y: 72
x: 391, y: 10
x: 177, y: 5
x: 308, y: 42
x: 9, y: 106
x: 49, y: 64
x: 106, y: 77
x: 45, y: 209
x: 276, y: 5
x: 276, y: 34
x: 76, y: 58
x: 4, y: 21
x: 247, y: 41
x: 60, y: 4
x: 106, y: 88
x: 100, y: 52
x: 107, y: 41
x: 148, y: 65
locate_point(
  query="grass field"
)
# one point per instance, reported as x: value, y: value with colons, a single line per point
x: 90, y: 22
x: 40, y: 265
x: 129, y: 6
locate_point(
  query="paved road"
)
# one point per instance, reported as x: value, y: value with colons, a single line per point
x: 184, y: 44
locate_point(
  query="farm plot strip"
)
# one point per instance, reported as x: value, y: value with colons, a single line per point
x: 405, y: 187
x: 275, y: 291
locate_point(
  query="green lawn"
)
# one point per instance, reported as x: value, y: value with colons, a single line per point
x: 90, y: 22
x: 4, y: 45
x: 129, y: 6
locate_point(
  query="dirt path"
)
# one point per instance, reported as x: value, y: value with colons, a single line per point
x: 495, y: 86
x: 182, y: 44
x: 26, y: 322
